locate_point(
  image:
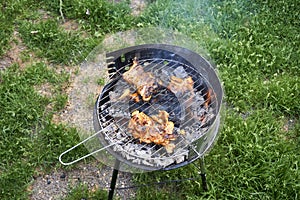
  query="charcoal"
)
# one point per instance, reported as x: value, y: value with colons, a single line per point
x: 199, y: 99
x: 142, y: 154
x: 104, y: 106
x: 128, y: 148
x: 115, y: 148
x: 128, y: 157
x: 180, y: 72
x: 145, y: 162
x: 201, y: 111
x: 164, y: 162
x: 163, y: 75
x: 179, y: 159
x: 137, y: 161
x: 119, y: 136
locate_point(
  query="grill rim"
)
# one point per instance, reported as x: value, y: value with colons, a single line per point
x: 189, y: 58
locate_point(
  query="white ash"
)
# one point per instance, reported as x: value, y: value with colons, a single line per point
x: 147, y: 155
x: 199, y: 98
x: 164, y: 162
x: 163, y: 75
x: 145, y: 162
x: 118, y: 113
x: 114, y: 96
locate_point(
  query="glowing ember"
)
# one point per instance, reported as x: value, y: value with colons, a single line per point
x: 208, y: 98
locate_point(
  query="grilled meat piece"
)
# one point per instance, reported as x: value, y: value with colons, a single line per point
x: 153, y: 129
x: 144, y: 81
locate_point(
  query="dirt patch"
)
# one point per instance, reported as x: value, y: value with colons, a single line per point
x: 45, y: 89
x: 5, y: 62
x: 137, y: 6
x: 78, y: 113
x: 14, y: 54
x: 70, y: 25
x: 68, y: 115
x: 44, y: 15
x: 82, y: 91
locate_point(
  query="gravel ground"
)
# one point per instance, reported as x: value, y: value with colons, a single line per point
x: 57, y: 184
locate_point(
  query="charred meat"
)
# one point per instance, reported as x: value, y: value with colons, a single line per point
x: 144, y: 81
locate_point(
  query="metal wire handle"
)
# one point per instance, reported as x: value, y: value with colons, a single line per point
x: 83, y: 157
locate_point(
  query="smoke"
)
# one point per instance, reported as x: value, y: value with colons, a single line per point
x: 197, y: 18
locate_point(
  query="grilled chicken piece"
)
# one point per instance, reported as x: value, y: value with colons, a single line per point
x: 155, y: 129
x: 143, y: 81
x: 146, y: 83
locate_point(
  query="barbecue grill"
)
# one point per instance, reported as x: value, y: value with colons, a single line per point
x: 163, y: 61
x: 187, y: 91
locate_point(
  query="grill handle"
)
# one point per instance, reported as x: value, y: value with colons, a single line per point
x: 83, y: 157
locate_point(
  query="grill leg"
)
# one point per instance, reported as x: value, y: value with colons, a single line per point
x: 113, y: 180
x: 203, y: 174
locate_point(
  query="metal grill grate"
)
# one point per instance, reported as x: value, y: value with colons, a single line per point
x: 114, y: 114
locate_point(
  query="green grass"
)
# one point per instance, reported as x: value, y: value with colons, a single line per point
x: 97, y: 17
x: 82, y: 192
x: 255, y: 45
x: 5, y: 34
x: 48, y: 40
x: 28, y: 138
